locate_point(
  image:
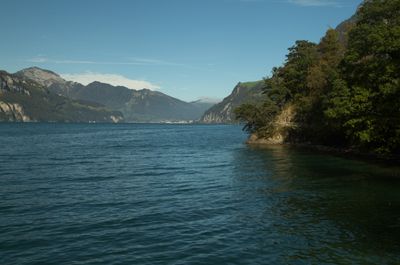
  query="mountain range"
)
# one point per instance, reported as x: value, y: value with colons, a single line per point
x: 22, y: 99
x: 35, y: 94
x: 124, y: 104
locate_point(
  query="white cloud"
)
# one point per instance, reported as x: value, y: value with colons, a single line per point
x: 37, y: 59
x: 132, y: 61
x: 41, y: 59
x: 149, y: 61
x: 315, y: 2
x: 112, y: 79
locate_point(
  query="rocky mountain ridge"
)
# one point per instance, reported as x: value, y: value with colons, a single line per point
x: 136, y: 105
x: 25, y: 100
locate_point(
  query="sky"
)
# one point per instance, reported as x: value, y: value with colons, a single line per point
x: 188, y: 49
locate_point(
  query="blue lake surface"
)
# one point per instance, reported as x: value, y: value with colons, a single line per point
x: 187, y: 194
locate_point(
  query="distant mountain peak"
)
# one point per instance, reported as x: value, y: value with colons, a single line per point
x: 207, y: 100
x: 98, y: 83
x: 36, y: 69
x: 42, y: 76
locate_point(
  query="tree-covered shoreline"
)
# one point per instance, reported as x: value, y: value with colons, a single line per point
x: 344, y: 92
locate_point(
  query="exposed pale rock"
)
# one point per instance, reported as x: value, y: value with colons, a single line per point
x: 44, y: 77
x: 276, y: 139
x: 14, y: 112
x: 116, y: 119
x: 282, y: 124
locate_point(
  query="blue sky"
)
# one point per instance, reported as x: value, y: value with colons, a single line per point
x: 185, y: 48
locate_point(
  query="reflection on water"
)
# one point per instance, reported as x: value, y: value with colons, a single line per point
x: 325, y: 209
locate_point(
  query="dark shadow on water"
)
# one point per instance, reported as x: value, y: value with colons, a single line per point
x: 325, y: 209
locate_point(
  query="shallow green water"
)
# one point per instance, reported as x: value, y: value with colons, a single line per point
x: 171, y: 194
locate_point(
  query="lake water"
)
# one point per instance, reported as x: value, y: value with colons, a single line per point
x: 187, y: 194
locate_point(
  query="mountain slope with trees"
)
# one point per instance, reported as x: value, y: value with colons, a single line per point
x: 223, y: 112
x: 343, y: 91
x: 136, y: 105
x: 25, y: 100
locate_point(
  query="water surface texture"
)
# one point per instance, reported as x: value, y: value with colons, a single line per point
x: 187, y: 194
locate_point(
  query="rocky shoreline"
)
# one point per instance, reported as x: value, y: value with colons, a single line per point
x: 254, y: 140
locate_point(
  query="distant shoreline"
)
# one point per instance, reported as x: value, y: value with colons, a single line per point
x: 114, y: 123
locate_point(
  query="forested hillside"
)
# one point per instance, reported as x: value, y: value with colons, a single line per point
x: 343, y: 91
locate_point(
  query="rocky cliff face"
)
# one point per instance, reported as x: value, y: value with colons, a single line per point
x: 9, y: 83
x: 223, y: 112
x: 13, y: 112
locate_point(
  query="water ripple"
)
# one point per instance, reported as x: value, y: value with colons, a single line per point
x: 163, y: 194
